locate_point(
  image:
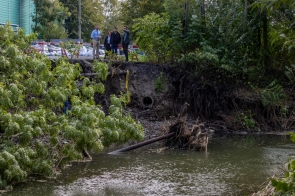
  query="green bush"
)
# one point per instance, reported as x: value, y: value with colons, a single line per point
x: 286, y: 186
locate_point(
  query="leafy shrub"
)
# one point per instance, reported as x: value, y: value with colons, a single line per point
x: 155, y: 36
x: 286, y: 185
x: 246, y: 120
x: 272, y: 94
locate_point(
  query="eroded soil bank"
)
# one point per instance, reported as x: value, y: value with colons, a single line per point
x: 162, y: 93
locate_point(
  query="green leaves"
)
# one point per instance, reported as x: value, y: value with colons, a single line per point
x: 38, y: 136
x: 292, y: 137
x: 101, y: 69
x: 72, y: 48
x: 48, y: 19
x: 286, y: 185
x: 272, y: 94
x: 154, y: 36
x: 10, y: 169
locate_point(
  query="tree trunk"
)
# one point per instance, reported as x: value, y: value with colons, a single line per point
x: 202, y: 11
x: 246, y: 14
x: 144, y: 143
x: 202, y: 6
x: 267, y: 62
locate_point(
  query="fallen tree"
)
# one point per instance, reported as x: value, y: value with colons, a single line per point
x: 38, y: 134
x: 181, y: 134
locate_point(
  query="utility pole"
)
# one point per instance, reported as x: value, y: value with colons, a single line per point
x: 79, y: 20
x: 185, y: 16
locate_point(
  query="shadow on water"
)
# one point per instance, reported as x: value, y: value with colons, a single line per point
x: 232, y: 166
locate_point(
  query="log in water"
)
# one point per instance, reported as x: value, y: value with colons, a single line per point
x: 144, y: 143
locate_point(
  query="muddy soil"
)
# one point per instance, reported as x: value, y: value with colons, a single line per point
x: 158, y: 103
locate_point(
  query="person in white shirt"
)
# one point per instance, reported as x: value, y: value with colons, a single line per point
x: 96, y: 35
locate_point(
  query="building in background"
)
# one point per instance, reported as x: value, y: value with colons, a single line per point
x: 18, y: 13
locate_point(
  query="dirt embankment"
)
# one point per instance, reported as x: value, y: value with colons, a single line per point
x: 161, y: 93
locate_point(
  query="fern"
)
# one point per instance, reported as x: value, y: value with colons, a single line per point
x: 290, y: 74
x: 272, y: 94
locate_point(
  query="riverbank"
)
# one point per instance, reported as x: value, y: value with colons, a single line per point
x: 161, y: 92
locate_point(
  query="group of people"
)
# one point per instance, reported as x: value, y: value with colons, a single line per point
x: 111, y: 41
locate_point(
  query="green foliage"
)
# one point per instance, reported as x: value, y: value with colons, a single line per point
x: 246, y: 119
x: 112, y: 15
x: 290, y: 74
x: 154, y: 36
x: 272, y: 94
x: 112, y: 57
x: 37, y: 136
x: 53, y: 31
x: 201, y: 58
x: 133, y: 9
x: 160, y: 83
x: 249, y: 43
x: 285, y: 186
x: 49, y: 19
x: 92, y: 13
x: 102, y: 70
x: 71, y: 47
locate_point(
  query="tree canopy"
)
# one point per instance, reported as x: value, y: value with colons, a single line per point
x: 133, y: 9
x: 49, y: 18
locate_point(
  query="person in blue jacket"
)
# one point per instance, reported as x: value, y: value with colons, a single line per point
x: 96, y: 36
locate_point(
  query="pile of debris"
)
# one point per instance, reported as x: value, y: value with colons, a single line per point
x: 182, y: 134
x: 189, y: 136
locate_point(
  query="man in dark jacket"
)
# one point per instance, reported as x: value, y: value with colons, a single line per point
x: 107, y: 43
x: 115, y: 40
x: 126, y: 41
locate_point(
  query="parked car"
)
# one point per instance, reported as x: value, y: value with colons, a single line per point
x: 101, y: 52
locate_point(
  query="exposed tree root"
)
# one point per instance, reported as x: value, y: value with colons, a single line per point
x: 189, y: 136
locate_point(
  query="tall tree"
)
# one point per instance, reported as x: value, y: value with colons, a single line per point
x: 92, y: 14
x: 49, y: 18
x: 133, y: 9
x: 111, y: 15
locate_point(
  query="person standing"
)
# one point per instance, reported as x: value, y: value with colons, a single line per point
x: 126, y: 41
x: 107, y: 43
x: 96, y: 35
x: 115, y: 40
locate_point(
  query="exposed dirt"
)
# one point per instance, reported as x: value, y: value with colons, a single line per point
x: 223, y: 108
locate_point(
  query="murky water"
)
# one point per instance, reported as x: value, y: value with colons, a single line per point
x: 232, y: 166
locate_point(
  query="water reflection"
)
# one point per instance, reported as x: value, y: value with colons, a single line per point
x: 233, y: 166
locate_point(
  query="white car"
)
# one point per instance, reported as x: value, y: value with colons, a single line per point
x: 101, y: 52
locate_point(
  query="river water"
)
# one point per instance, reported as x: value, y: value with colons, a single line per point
x: 232, y: 166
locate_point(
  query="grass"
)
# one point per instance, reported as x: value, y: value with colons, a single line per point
x: 141, y: 58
